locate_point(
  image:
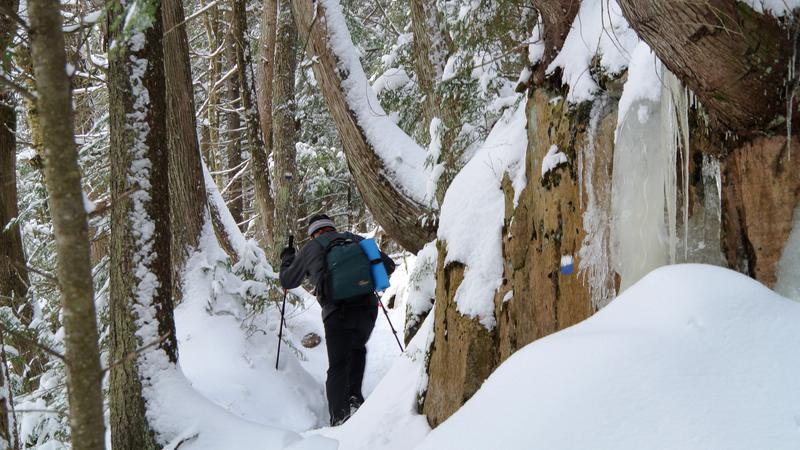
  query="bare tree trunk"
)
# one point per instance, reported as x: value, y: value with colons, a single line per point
x: 405, y: 220
x: 734, y: 59
x: 431, y: 49
x: 141, y: 312
x: 285, y: 133
x: 63, y: 179
x: 557, y: 17
x: 13, y: 273
x: 9, y: 438
x: 266, y: 69
x: 259, y: 165
x: 235, y: 192
x: 187, y: 190
x: 210, y: 130
x: 14, y: 280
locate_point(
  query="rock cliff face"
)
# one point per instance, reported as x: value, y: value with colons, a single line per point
x: 739, y: 213
x: 535, y: 298
x: 761, y: 189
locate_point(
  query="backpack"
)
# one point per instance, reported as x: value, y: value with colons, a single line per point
x: 347, y: 268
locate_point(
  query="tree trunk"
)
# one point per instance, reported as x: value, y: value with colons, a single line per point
x: 734, y: 59
x: 259, y: 164
x: 210, y: 130
x: 70, y: 227
x: 406, y: 221
x: 9, y: 439
x: 430, y: 42
x: 187, y: 192
x: 285, y: 133
x: 235, y: 190
x: 557, y: 17
x: 13, y: 273
x: 266, y: 70
x: 14, y: 280
x: 140, y: 295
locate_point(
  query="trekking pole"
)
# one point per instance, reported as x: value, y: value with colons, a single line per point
x: 283, y: 311
x: 386, y: 313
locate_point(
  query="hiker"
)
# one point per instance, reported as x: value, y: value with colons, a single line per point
x: 348, y: 322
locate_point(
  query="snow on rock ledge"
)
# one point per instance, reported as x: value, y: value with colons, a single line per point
x: 690, y: 357
x: 472, y: 214
x: 601, y: 30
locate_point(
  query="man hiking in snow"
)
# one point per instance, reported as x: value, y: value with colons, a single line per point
x: 333, y: 265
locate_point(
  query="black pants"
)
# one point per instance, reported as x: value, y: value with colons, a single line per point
x: 346, y: 333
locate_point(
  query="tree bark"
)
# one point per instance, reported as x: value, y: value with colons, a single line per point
x: 557, y: 17
x: 266, y: 70
x: 734, y: 59
x: 285, y: 129
x: 63, y: 181
x: 141, y: 312
x: 209, y: 134
x: 259, y: 165
x: 431, y: 50
x: 187, y: 192
x: 407, y: 222
x: 9, y: 438
x: 428, y: 44
x: 235, y: 190
x: 13, y: 274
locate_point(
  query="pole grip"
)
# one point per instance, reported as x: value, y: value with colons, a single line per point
x: 291, y: 241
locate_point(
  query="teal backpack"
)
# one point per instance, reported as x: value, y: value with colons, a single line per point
x: 347, y: 269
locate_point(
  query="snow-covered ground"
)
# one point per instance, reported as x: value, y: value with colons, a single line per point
x: 690, y: 357
x: 232, y: 396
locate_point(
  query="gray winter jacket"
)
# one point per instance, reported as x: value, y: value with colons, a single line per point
x: 310, y: 262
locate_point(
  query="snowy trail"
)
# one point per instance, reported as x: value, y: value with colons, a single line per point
x: 238, y: 395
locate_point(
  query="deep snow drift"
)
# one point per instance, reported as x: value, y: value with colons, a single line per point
x: 690, y: 357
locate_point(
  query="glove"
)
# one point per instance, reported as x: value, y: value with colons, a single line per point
x: 287, y: 253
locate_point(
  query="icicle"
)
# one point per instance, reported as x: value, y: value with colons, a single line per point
x: 711, y: 225
x: 682, y: 111
x: 669, y: 144
x: 638, y: 200
x: 595, y: 252
x: 791, y: 88
x: 788, y: 283
x: 675, y: 114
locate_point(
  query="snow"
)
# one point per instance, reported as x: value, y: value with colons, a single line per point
x: 230, y: 394
x: 88, y: 205
x: 421, y: 290
x: 552, y: 159
x: 391, y: 80
x: 403, y: 159
x: 599, y: 29
x: 388, y: 419
x: 473, y: 211
x: 643, y: 83
x: 536, y: 45
x: 691, y: 357
x: 775, y: 7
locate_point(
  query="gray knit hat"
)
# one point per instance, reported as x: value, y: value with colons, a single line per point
x: 318, y: 222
